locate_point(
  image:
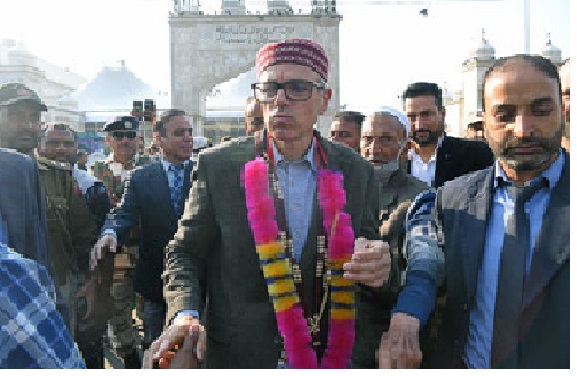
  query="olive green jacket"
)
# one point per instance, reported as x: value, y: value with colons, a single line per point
x: 71, y: 228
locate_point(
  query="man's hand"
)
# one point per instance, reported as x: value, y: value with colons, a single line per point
x: 400, y: 345
x: 181, y: 345
x: 370, y: 263
x: 107, y: 241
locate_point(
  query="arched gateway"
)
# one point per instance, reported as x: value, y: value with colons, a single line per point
x: 207, y: 49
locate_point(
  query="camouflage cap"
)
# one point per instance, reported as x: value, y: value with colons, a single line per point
x: 16, y: 92
x: 121, y: 123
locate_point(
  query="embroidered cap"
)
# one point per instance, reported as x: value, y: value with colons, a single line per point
x: 293, y: 51
x: 122, y: 123
x: 16, y: 92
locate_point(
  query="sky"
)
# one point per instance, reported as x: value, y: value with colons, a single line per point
x: 384, y: 44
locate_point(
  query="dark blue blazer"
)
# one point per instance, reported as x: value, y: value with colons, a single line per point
x: 23, y: 207
x: 146, y: 200
x: 544, y: 334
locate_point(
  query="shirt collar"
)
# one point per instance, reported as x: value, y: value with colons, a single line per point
x: 412, y: 155
x: 308, y: 157
x: 552, y: 174
x: 166, y: 164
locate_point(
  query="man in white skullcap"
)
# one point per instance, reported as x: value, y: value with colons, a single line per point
x: 383, y: 140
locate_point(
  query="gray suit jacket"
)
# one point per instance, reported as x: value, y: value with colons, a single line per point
x: 466, y: 204
x: 23, y: 207
x: 214, y: 246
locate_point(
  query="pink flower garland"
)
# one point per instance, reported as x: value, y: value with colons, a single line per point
x: 275, y: 266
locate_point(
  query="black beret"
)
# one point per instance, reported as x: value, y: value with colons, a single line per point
x: 122, y: 123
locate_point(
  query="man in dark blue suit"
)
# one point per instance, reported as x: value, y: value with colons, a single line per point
x: 154, y: 196
x: 505, y: 235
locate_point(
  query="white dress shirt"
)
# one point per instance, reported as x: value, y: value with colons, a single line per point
x: 424, y: 171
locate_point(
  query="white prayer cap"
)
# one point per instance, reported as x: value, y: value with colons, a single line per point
x: 390, y: 111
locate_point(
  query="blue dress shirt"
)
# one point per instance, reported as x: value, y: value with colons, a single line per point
x: 170, y: 174
x: 480, y: 334
x: 297, y: 182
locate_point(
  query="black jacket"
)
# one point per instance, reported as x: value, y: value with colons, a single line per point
x: 459, y: 156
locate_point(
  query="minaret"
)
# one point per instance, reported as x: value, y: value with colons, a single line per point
x: 551, y: 52
x: 480, y: 59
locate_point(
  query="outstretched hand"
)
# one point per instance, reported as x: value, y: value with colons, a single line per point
x: 400, y: 344
x: 181, y: 345
x: 104, y: 243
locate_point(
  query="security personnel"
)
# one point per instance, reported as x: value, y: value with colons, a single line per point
x: 71, y: 229
x: 122, y: 136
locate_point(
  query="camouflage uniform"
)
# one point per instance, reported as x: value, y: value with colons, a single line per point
x: 71, y: 235
x: 121, y: 332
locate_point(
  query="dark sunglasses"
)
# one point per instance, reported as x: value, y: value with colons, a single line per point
x: 119, y: 135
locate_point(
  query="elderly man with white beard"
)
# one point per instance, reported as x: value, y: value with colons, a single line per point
x: 383, y: 140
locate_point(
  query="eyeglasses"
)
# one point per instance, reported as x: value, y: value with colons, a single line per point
x: 58, y: 143
x: 119, y: 135
x: 182, y: 131
x: 342, y: 134
x: 294, y: 90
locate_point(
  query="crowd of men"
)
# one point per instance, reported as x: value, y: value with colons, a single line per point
x: 457, y: 253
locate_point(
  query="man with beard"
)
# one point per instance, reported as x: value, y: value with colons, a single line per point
x: 504, y: 231
x: 58, y: 142
x: 122, y: 137
x: 154, y: 195
x: 71, y: 229
x: 346, y: 129
x: 436, y: 157
x: 565, y: 91
x: 383, y: 138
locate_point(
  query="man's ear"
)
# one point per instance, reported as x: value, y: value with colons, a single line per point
x: 327, y: 95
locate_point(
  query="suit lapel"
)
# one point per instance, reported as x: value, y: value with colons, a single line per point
x: 552, y: 244
x: 187, y: 182
x: 163, y: 191
x: 308, y: 257
x: 474, y: 223
x: 443, y: 158
x: 391, y: 197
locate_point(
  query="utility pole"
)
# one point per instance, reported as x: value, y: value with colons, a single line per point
x: 527, y: 26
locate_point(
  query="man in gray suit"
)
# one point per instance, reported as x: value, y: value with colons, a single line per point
x: 214, y: 249
x: 505, y: 235
x: 383, y: 139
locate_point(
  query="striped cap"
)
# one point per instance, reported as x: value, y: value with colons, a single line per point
x: 293, y: 51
